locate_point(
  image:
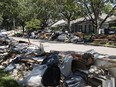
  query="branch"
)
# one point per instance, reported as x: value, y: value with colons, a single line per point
x: 90, y: 16
x: 109, y: 14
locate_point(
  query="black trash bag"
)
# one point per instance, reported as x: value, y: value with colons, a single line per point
x: 53, y: 59
x: 76, y: 79
x: 51, y: 76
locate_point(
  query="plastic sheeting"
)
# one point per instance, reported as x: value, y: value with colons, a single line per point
x: 10, y: 67
x: 66, y: 65
x: 34, y: 79
x: 75, y: 80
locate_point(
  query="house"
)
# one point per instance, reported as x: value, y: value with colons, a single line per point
x: 59, y: 23
x: 86, y: 26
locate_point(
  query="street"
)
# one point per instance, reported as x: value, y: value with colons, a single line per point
x: 60, y: 46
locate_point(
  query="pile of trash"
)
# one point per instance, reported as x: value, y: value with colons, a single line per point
x: 31, y: 66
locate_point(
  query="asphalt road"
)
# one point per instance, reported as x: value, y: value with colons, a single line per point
x: 60, y: 46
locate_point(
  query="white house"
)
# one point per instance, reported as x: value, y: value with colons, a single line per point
x: 59, y: 23
x: 85, y: 26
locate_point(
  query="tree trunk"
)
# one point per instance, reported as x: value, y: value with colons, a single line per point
x: 68, y: 26
x: 97, y: 29
x: 23, y: 28
x: 44, y: 24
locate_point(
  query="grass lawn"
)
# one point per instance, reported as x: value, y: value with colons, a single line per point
x: 6, y: 80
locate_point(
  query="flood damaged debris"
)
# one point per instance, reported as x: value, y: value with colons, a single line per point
x: 31, y: 66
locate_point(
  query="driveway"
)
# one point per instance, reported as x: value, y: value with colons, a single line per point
x: 60, y: 46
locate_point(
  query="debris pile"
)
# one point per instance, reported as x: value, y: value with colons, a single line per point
x: 31, y: 66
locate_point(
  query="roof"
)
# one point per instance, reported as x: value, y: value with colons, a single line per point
x: 111, y: 18
x: 59, y: 23
x: 103, y: 16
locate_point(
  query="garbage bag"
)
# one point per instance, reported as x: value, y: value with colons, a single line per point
x: 75, y: 80
x: 19, y: 48
x: 65, y: 67
x: 92, y: 51
x: 34, y: 79
x: 96, y: 54
x: 33, y: 49
x: 53, y: 59
x: 51, y: 76
x: 10, y: 67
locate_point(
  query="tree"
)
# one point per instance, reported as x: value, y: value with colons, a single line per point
x: 9, y: 11
x: 70, y: 10
x: 44, y: 10
x: 25, y: 12
x: 93, y: 9
x: 1, y: 19
x: 34, y: 24
x: 15, y: 12
x: 107, y: 8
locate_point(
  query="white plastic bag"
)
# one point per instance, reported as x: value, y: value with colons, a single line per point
x: 66, y: 65
x: 34, y: 79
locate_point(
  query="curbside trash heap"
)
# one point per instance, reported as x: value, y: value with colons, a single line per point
x: 31, y: 66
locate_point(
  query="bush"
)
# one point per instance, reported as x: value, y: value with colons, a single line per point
x: 34, y: 24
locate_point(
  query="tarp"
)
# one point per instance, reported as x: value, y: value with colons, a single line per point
x: 59, y: 23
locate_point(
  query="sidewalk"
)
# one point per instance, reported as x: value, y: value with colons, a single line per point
x: 59, y: 46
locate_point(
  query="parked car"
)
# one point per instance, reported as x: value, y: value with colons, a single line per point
x: 110, y: 31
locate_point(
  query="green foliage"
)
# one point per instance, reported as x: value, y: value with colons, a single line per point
x: 48, y: 11
x: 107, y: 8
x: 34, y: 24
x: 9, y: 8
x: 25, y: 11
x: 6, y: 80
x: 113, y: 27
x: 69, y: 9
x: 1, y: 19
x: 45, y: 10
